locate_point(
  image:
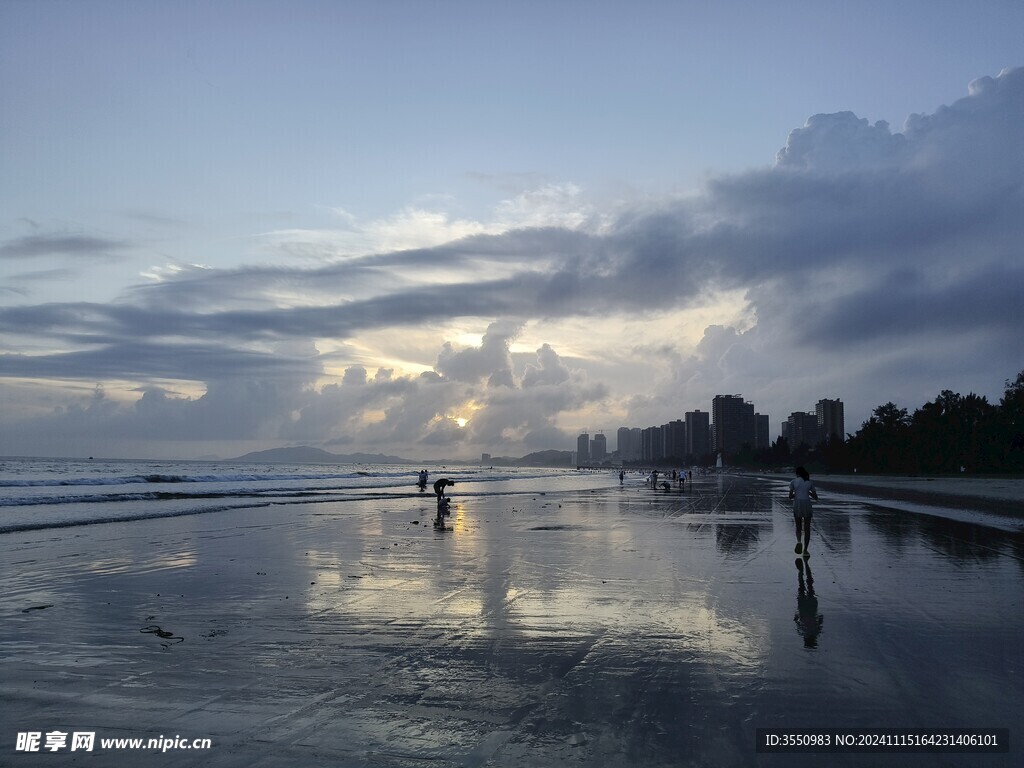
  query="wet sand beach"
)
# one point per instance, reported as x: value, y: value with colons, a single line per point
x: 620, y: 627
x: 999, y: 496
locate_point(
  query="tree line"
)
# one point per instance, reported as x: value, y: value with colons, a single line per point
x: 951, y: 434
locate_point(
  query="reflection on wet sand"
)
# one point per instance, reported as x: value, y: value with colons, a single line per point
x: 624, y: 628
x: 736, y: 539
x: 959, y: 541
x: 808, y: 620
x: 834, y: 530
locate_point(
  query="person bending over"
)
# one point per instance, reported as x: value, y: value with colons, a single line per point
x: 440, y: 485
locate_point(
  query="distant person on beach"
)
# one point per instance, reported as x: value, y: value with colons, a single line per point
x: 801, y: 491
x: 622, y: 477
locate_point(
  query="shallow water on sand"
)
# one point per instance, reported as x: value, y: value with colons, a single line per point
x: 605, y: 627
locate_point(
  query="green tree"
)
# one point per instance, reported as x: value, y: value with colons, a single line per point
x: 1008, y: 434
x: 834, y: 454
x: 951, y: 432
x: 881, y: 442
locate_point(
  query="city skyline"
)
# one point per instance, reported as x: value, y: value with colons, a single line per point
x: 736, y: 423
x: 453, y: 228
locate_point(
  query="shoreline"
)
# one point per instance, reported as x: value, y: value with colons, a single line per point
x: 1003, y: 497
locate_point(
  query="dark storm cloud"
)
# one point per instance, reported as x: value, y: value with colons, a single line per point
x: 59, y: 245
x: 987, y: 301
x: 529, y: 295
x: 129, y: 359
x: 844, y: 194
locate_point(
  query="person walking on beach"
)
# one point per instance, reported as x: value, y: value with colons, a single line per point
x: 801, y: 491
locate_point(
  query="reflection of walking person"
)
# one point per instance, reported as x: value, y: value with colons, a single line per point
x: 808, y: 620
x: 801, y: 491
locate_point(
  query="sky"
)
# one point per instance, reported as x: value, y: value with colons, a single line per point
x: 438, y: 229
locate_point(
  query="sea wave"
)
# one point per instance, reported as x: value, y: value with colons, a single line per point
x: 169, y: 479
x: 37, y: 525
x: 114, y: 498
x: 364, y: 475
x: 37, y: 494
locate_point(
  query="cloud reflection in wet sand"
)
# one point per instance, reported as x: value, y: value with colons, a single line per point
x: 625, y: 627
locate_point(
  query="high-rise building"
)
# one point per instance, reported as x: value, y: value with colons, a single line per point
x: 831, y: 423
x: 653, y: 444
x: 762, y: 427
x: 674, y: 439
x: 624, y: 443
x: 698, y: 433
x: 734, y: 423
x: 802, y: 429
x: 598, y: 447
x: 583, y: 448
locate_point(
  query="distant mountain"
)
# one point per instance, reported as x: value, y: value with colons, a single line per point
x: 536, y: 459
x: 305, y: 454
x: 547, y: 459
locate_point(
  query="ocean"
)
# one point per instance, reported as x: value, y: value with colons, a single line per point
x: 54, y: 493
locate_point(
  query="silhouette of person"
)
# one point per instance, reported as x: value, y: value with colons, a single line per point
x: 808, y: 620
x: 801, y: 491
x: 440, y: 485
x: 443, y: 503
